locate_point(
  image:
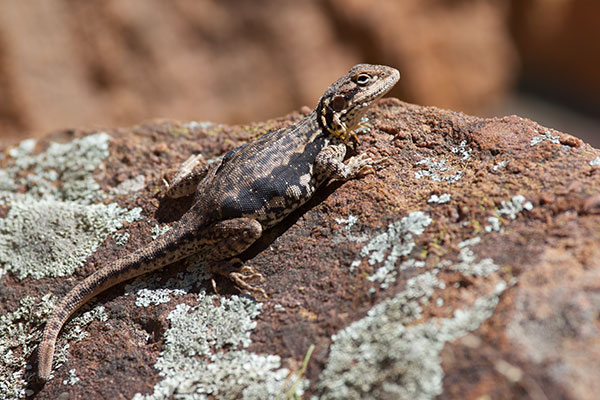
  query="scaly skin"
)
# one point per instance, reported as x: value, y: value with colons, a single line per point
x: 252, y: 188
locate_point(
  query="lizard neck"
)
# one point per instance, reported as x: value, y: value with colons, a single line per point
x: 325, y: 119
x: 311, y: 123
x: 314, y: 127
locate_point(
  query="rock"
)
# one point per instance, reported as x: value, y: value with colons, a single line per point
x: 375, y: 291
x: 115, y: 63
x: 458, y: 56
x: 542, y: 30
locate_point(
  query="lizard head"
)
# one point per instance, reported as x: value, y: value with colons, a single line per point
x: 345, y: 102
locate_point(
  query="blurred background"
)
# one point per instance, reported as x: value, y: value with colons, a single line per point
x: 67, y: 63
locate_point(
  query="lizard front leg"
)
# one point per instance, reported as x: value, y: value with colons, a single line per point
x: 330, y: 164
x: 188, y: 176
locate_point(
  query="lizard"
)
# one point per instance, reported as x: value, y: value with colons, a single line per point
x: 250, y: 189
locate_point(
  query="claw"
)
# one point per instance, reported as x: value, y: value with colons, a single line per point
x: 214, y: 286
x: 365, y: 170
x: 240, y: 276
x: 241, y: 281
x: 364, y: 125
x: 372, y: 166
x: 379, y: 161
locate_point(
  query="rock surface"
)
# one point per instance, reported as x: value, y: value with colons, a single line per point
x: 468, y: 266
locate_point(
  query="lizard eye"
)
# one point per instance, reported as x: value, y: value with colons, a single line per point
x: 338, y: 103
x: 363, y: 79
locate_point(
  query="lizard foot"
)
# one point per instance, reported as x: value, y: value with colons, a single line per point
x: 363, y: 165
x: 240, y: 277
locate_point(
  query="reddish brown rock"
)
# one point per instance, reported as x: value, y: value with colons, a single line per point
x: 467, y: 266
x: 114, y: 63
x: 457, y: 56
x: 558, y: 45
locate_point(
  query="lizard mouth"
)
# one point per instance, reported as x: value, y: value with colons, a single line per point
x: 388, y: 83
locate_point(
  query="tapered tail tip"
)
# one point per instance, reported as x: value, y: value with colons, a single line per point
x: 45, y: 363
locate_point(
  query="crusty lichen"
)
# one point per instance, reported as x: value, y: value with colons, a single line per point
x: 20, y: 332
x: 151, y: 290
x: 42, y: 238
x: 396, y: 242
x: 194, y: 368
x: 62, y: 172
x: 19, y: 335
x: 53, y: 227
x: 467, y: 260
x: 191, y: 362
x: 441, y: 199
x: 514, y: 206
x: 438, y: 171
x: 389, y: 355
x: 55, y: 220
x: 547, y: 136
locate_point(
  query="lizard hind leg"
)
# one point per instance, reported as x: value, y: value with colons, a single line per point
x: 237, y: 235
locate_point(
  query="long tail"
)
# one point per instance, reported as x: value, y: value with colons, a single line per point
x: 170, y: 247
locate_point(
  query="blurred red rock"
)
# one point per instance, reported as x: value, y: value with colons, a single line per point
x: 559, y: 47
x: 113, y: 63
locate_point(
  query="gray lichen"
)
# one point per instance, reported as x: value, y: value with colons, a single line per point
x: 346, y: 234
x: 462, y: 149
x: 20, y: 333
x: 158, y: 231
x: 62, y: 172
x: 42, y: 238
x: 441, y: 199
x: 52, y: 228
x: 388, y: 355
x: 192, y: 366
x: 121, y: 238
x: 73, y: 378
x: 129, y: 185
x: 200, y: 125
x: 546, y: 136
x: 396, y: 242
x: 500, y: 164
x: 467, y: 260
x: 55, y: 220
x: 146, y: 297
x: 24, y: 148
x: 494, y: 225
x: 150, y: 290
x: 438, y: 171
x: 515, y: 206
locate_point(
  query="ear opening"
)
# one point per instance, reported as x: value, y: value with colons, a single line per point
x: 338, y: 103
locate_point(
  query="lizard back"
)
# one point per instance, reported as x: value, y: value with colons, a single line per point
x: 273, y: 174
